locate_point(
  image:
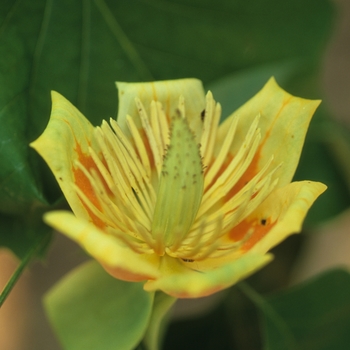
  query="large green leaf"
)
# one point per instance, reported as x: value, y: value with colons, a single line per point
x: 91, y: 310
x: 21, y: 232
x: 18, y: 189
x: 312, y: 316
x: 323, y: 159
x: 81, y: 47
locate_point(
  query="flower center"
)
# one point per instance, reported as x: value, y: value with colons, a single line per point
x: 180, y: 188
x: 150, y: 190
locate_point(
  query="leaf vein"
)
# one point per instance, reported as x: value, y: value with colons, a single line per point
x: 123, y: 40
x: 8, y: 16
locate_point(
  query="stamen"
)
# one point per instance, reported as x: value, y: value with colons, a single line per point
x: 210, y: 125
x: 139, y: 145
x: 156, y: 127
x: 164, y: 126
x: 208, y: 119
x: 179, y: 220
x: 118, y: 170
x: 111, y: 214
x: 234, y: 170
x: 150, y: 135
x: 108, y: 212
x: 146, y: 235
x: 207, y: 157
x: 262, y: 194
x: 136, y: 245
x: 216, y: 166
x: 85, y: 199
x: 187, y: 248
x: 245, y: 201
x: 254, y: 192
x: 121, y: 219
x: 204, y: 240
x: 205, y: 247
x: 102, y: 169
x: 251, y: 187
x: 130, y: 169
x: 214, y: 233
x: 133, y: 156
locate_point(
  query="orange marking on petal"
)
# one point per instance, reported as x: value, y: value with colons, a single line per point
x: 287, y: 99
x: 81, y: 180
x: 253, y: 168
x: 84, y: 184
x: 125, y: 275
x: 256, y: 230
x: 96, y: 220
x: 220, y: 172
x: 251, y: 171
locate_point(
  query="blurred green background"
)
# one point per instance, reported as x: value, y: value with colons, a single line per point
x: 80, y: 48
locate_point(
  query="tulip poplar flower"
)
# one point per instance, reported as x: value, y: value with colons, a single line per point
x: 169, y: 196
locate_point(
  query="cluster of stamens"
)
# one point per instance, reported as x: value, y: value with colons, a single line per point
x: 161, y: 189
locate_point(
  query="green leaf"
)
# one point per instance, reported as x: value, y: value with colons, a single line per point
x: 338, y: 141
x: 159, y: 320
x: 80, y: 48
x: 22, y: 232
x: 312, y: 316
x: 89, y: 309
x: 18, y: 188
x: 323, y: 159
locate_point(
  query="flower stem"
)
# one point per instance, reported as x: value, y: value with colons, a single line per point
x: 39, y: 243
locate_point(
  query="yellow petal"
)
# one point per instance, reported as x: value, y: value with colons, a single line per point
x: 284, y: 120
x: 280, y: 215
x: 214, y: 258
x: 166, y: 92
x: 184, y: 281
x: 65, y: 140
x: 119, y: 260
